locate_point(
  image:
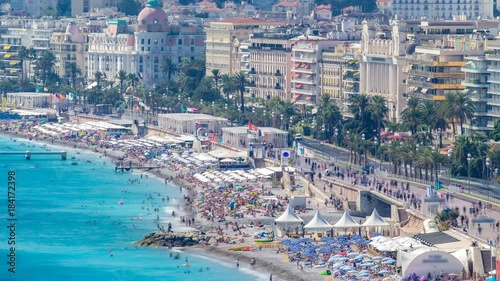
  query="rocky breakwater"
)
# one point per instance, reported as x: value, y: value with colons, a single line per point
x: 176, y: 239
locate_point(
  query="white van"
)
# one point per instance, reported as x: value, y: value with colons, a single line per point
x: 298, y: 137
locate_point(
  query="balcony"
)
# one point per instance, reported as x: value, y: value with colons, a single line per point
x: 495, y: 57
x: 470, y: 69
x: 304, y: 80
x: 304, y: 91
x: 277, y: 74
x: 305, y: 59
x: 457, y: 75
x: 477, y: 83
x: 351, y: 67
x: 351, y: 79
x: 435, y: 85
x: 304, y: 70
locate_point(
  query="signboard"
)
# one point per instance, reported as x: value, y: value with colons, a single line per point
x: 285, y: 153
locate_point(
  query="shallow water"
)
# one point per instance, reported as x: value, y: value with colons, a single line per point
x: 69, y: 222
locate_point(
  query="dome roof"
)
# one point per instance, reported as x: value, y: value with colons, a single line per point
x: 72, y: 28
x: 152, y: 17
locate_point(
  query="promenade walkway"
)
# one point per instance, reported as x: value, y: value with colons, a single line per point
x: 481, y: 231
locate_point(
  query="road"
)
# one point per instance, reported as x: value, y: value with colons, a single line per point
x: 480, y: 187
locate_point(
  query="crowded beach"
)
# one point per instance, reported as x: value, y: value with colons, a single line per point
x: 262, y: 215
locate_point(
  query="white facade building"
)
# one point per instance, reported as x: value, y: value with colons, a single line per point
x: 144, y: 51
x: 435, y: 9
x: 381, y: 66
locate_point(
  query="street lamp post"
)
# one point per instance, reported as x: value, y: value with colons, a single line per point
x: 375, y: 142
x: 469, y: 158
x: 488, y: 163
x: 449, y: 168
x: 440, y: 132
x: 213, y: 106
x: 363, y: 147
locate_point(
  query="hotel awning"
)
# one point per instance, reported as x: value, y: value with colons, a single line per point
x: 7, y: 56
x: 308, y: 97
x: 296, y: 96
x: 13, y: 71
x: 297, y: 64
x: 424, y: 90
x: 298, y: 85
x: 296, y: 74
x: 305, y: 65
x: 13, y: 62
x: 308, y: 75
x: 6, y: 47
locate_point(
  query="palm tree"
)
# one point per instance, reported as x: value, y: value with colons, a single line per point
x: 329, y: 114
x: 411, y: 115
x: 99, y: 77
x: 44, y: 64
x: 358, y: 107
x: 132, y: 80
x: 378, y: 110
x: 217, y: 77
x: 240, y: 81
x: 169, y: 67
x: 460, y: 107
x: 228, y: 86
x: 75, y: 71
x: 23, y: 56
x: 121, y: 76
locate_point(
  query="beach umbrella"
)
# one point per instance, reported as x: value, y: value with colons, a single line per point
x: 387, y: 262
x: 352, y: 254
x: 377, y: 258
x: 386, y: 259
x: 382, y: 272
x: 352, y: 271
x: 364, y: 274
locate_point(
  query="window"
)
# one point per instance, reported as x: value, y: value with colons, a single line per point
x: 192, y: 49
x: 142, y: 41
x: 143, y: 21
x: 156, y: 60
x: 192, y: 41
x: 165, y: 21
x: 155, y: 41
x: 141, y: 60
x: 179, y: 42
x: 155, y: 21
x: 156, y: 68
x: 140, y: 68
x: 149, y: 41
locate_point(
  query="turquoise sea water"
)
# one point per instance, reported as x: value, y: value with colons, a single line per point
x: 56, y: 238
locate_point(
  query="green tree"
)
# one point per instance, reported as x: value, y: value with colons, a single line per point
x: 169, y: 68
x: 75, y: 71
x: 44, y: 65
x: 228, y: 86
x: 216, y: 76
x: 495, y: 134
x: 129, y: 7
x: 328, y: 115
x: 63, y: 8
x: 132, y: 80
x: 378, y: 110
x: 411, y: 115
x: 23, y: 54
x: 459, y: 108
x: 240, y: 80
x: 121, y: 76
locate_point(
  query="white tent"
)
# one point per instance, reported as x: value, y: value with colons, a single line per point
x: 289, y: 216
x: 318, y: 223
x: 346, y: 221
x: 375, y: 220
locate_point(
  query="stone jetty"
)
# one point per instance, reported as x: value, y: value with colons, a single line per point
x: 176, y: 239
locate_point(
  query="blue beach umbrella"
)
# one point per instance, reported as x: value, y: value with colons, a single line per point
x: 382, y: 272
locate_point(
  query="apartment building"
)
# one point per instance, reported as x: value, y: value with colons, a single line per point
x: 80, y: 7
x: 476, y: 85
x: 306, y: 57
x: 493, y: 103
x: 223, y: 38
x: 435, y: 9
x: 270, y: 59
x: 69, y: 47
x: 436, y: 69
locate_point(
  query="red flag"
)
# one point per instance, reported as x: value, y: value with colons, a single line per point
x: 252, y: 127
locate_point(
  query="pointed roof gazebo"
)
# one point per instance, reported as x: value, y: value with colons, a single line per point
x: 318, y: 223
x: 375, y: 220
x: 346, y: 221
x: 289, y: 216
